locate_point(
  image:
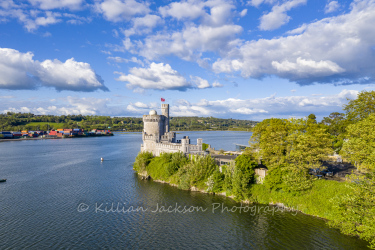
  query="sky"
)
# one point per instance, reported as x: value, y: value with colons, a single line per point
x: 250, y: 60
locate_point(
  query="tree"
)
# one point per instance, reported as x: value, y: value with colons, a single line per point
x: 297, y: 142
x: 356, y: 214
x: 360, y: 108
x: 360, y: 145
x: 243, y: 175
x: 269, y: 140
x: 310, y: 147
x: 311, y: 118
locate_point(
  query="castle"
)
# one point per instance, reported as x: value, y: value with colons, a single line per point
x: 158, y: 139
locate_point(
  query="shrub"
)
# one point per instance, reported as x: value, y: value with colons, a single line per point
x: 274, y: 178
x: 141, y: 161
x: 205, y: 146
x: 215, y: 182
x: 243, y: 176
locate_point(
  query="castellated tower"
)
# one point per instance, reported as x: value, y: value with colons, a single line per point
x: 158, y: 139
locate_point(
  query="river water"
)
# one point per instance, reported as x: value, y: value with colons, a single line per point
x: 60, y: 195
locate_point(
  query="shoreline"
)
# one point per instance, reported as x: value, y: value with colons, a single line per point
x: 147, y: 177
x: 49, y: 138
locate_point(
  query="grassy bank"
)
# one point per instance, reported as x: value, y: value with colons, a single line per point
x: 335, y: 201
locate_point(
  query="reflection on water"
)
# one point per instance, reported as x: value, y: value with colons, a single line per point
x: 57, y: 192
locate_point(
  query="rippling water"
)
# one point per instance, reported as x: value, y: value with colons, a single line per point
x: 58, y: 191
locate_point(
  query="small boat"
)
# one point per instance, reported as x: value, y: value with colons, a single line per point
x: 3, y: 180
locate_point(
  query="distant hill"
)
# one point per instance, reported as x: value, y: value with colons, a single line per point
x: 27, y: 121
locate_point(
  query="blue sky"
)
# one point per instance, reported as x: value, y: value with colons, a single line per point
x: 251, y: 59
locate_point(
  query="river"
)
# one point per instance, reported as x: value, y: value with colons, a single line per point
x: 59, y: 194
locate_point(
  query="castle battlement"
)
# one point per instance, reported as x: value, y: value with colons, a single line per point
x: 158, y: 139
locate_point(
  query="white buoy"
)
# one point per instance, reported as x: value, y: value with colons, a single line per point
x: 102, y: 159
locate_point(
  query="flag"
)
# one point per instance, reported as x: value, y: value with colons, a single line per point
x: 162, y: 99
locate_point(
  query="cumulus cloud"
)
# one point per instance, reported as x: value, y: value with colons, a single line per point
x: 256, y: 109
x: 49, y: 18
x: 118, y: 59
x: 256, y: 3
x: 220, y: 11
x: 217, y: 85
x: 199, y: 82
x: 32, y: 19
x: 332, y: 6
x: 64, y: 106
x: 333, y: 50
x: 157, y: 76
x: 161, y: 76
x: 120, y: 10
x: 261, y: 108
x: 189, y: 43
x: 57, y: 4
x: 183, y: 10
x: 143, y: 25
x: 243, y: 13
x: 278, y: 17
x: 208, y: 26
x: 20, y: 71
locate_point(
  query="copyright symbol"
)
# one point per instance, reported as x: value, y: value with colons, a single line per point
x: 82, y: 207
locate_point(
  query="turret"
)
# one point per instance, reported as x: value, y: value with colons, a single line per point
x: 165, y: 112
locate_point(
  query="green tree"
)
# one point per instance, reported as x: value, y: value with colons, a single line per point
x: 269, y: 141
x: 310, y: 147
x: 360, y: 145
x: 356, y: 211
x: 361, y: 107
x: 243, y: 175
x: 141, y: 161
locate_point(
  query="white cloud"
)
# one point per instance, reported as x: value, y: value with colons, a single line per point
x: 143, y: 25
x: 305, y: 68
x: 20, y: 71
x: 57, y: 4
x: 157, y: 76
x: 219, y: 13
x: 185, y: 44
x: 278, y: 17
x: 118, y: 59
x: 119, y: 10
x: 183, y: 10
x: 162, y: 77
x: 298, y: 30
x: 261, y: 108
x: 333, y: 50
x: 243, y: 13
x: 217, y: 85
x: 256, y: 109
x: 332, y: 6
x: 50, y: 18
x: 32, y: 19
x: 201, y: 83
x: 256, y: 3
x: 207, y: 26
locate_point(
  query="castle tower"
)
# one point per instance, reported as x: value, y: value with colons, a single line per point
x: 165, y: 112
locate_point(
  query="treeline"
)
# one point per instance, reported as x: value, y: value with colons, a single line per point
x: 27, y: 121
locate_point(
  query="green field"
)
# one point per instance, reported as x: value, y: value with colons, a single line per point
x: 52, y: 125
